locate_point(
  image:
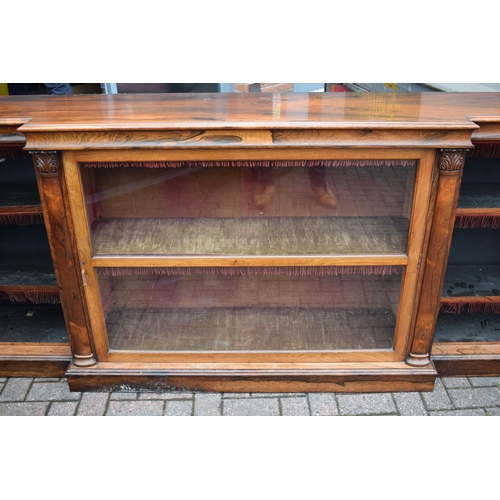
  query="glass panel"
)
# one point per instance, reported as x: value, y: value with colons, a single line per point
x: 345, y: 208
x: 288, y: 310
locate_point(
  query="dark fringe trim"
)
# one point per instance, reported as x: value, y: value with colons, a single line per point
x: 477, y: 221
x: 484, y: 150
x: 34, y: 297
x: 12, y: 152
x: 21, y: 218
x: 470, y: 307
x: 257, y: 163
x: 250, y: 271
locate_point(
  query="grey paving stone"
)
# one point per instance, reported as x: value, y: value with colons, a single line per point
x: 63, y: 409
x: 366, y: 404
x: 458, y: 413
x: 455, y: 382
x: 15, y: 389
x: 475, y: 397
x: 409, y: 404
x: 251, y: 407
x: 437, y: 399
x: 178, y: 408
x: 207, y: 404
x: 121, y: 396
x: 493, y: 412
x: 3, y: 379
x: 93, y: 404
x: 294, y: 407
x: 147, y: 396
x: 51, y: 391
x: 23, y: 409
x: 236, y: 395
x: 323, y: 404
x: 484, y: 381
x: 42, y: 379
x: 135, y: 408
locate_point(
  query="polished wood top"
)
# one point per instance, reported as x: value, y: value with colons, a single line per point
x: 429, y: 110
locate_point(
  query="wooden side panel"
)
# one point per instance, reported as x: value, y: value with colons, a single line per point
x: 48, y: 167
x: 450, y: 171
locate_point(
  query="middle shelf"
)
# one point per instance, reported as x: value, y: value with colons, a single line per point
x: 360, y: 211
x: 334, y: 236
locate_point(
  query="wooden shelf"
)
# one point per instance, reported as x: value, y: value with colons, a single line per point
x: 20, y: 204
x: 478, y: 206
x: 464, y: 281
x: 20, y: 195
x: 27, y: 275
x: 471, y: 288
x: 34, y: 323
x: 250, y: 329
x: 254, y: 237
x: 467, y: 327
x: 479, y: 196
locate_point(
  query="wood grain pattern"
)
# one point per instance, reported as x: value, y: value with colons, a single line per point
x: 237, y: 110
x: 418, y: 231
x: 243, y: 139
x: 87, y: 278
x: 456, y: 359
x: 51, y: 193
x: 34, y: 359
x: 467, y: 366
x: 250, y: 261
x: 488, y: 131
x: 235, y: 154
x: 470, y: 299
x: 272, y: 377
x: 276, y: 357
x: 9, y: 136
x: 466, y: 348
x: 450, y: 171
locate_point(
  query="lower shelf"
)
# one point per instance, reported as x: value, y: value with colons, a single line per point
x: 467, y: 344
x: 468, y: 327
x: 32, y: 323
x: 250, y: 329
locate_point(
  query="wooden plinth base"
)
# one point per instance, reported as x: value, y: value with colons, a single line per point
x: 464, y: 359
x: 272, y: 377
x: 34, y: 361
x: 465, y: 366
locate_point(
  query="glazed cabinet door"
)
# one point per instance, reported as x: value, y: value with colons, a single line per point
x: 304, y: 258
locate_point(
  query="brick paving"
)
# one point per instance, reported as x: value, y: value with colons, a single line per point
x: 461, y: 396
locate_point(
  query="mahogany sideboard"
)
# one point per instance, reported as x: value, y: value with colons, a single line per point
x: 262, y: 242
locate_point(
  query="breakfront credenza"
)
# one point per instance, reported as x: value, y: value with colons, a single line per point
x: 279, y: 242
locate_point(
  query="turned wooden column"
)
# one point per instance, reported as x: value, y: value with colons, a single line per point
x: 48, y: 165
x: 450, y: 168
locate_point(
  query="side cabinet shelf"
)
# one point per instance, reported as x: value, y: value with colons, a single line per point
x: 467, y: 336
x: 33, y: 336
